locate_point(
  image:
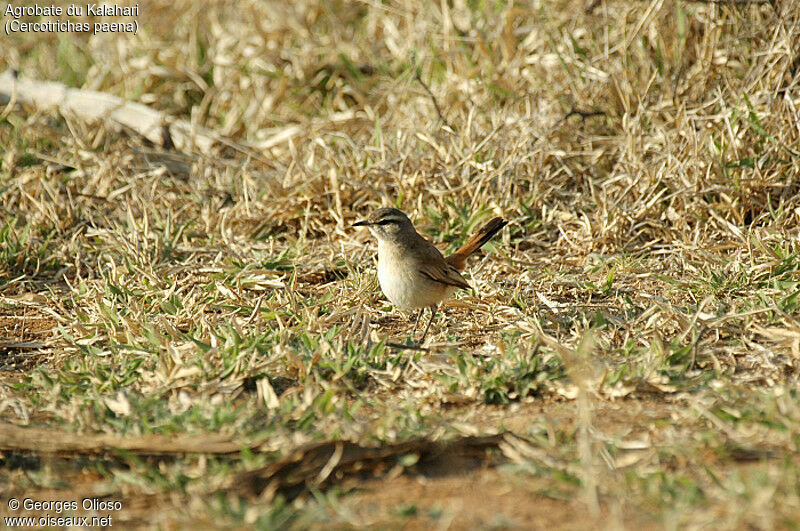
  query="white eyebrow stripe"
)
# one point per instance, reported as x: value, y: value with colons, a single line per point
x: 396, y: 219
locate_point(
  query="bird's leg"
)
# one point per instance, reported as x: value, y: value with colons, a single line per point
x: 425, y: 333
x: 416, y: 322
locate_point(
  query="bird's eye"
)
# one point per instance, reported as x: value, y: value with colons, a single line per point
x: 386, y: 221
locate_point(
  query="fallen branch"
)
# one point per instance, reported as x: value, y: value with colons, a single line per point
x: 93, y: 106
x: 52, y: 441
x: 319, y: 464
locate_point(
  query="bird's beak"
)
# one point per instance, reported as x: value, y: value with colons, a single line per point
x: 364, y: 223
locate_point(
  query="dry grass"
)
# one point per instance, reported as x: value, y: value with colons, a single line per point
x: 635, y: 327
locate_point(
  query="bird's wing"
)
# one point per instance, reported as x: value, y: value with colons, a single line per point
x: 444, y: 273
x: 432, y: 265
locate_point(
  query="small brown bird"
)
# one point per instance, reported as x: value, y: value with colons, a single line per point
x: 411, y: 271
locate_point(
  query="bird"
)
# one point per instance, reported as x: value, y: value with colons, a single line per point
x: 412, y: 272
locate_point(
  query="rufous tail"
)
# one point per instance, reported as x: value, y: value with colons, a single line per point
x: 459, y: 258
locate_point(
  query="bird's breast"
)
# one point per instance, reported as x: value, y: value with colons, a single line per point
x: 403, y: 284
